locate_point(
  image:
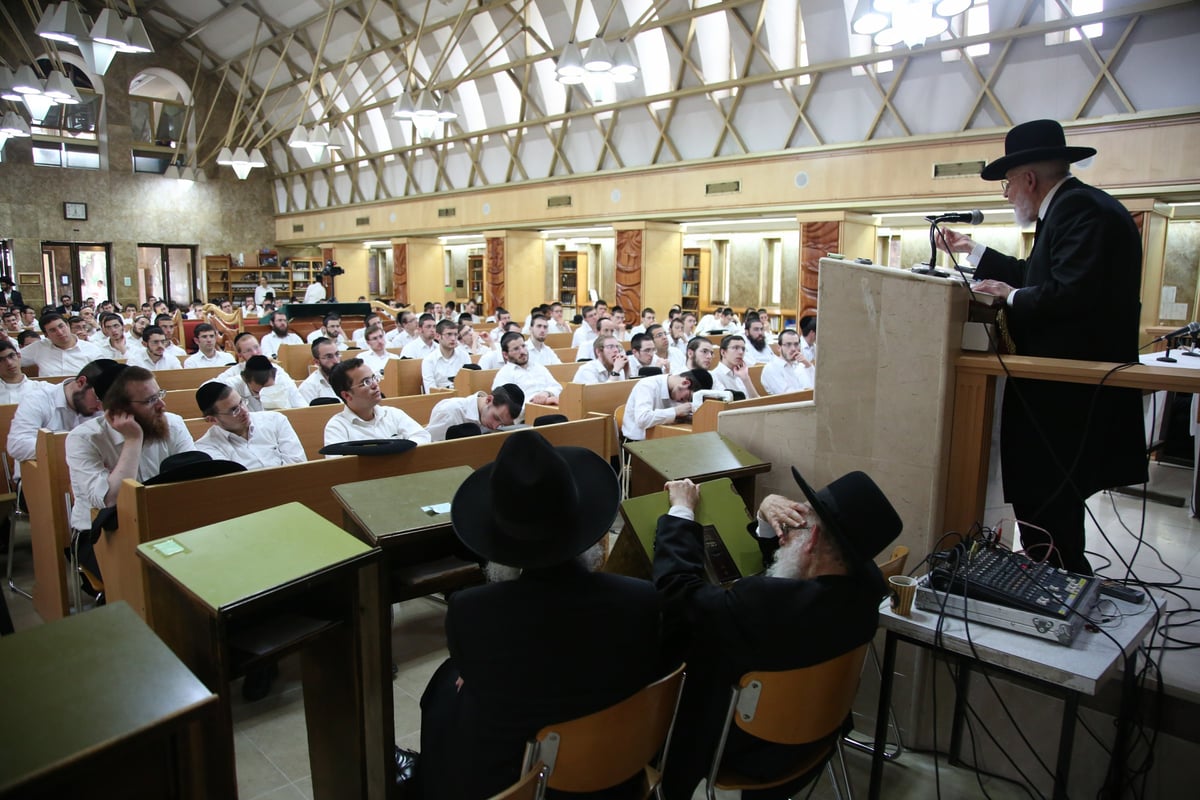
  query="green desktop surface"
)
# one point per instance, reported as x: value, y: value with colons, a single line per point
x: 245, y: 557
x: 694, y: 456
x: 720, y: 506
x: 78, y: 685
x: 402, y: 504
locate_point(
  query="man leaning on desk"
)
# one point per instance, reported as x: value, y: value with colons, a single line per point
x: 818, y: 600
x: 1077, y: 295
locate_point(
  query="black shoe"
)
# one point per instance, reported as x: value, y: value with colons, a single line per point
x: 257, y: 683
x: 406, y: 767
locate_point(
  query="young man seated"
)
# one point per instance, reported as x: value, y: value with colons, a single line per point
x: 363, y: 417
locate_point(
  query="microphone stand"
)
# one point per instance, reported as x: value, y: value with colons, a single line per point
x: 1191, y: 351
x: 1167, y: 358
x: 931, y: 269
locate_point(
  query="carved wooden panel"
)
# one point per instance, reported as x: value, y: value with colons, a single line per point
x: 494, y: 265
x: 327, y: 280
x: 400, y: 272
x: 816, y: 240
x: 629, y: 271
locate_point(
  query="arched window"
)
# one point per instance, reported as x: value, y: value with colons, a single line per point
x: 163, y: 130
x: 69, y: 134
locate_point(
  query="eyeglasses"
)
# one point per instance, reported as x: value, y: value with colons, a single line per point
x: 1004, y: 186
x: 233, y: 412
x: 157, y: 397
x: 613, y: 347
x: 371, y: 380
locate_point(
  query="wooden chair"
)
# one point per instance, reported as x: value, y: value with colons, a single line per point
x: 607, y: 748
x: 805, y: 706
x: 531, y: 786
x: 893, y: 566
x: 622, y: 454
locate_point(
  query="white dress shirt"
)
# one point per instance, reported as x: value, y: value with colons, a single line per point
x: 437, y: 371
x: 649, y: 404
x: 723, y: 378
x: 51, y: 360
x: 780, y: 377
x: 219, y: 359
x: 595, y: 372
x: 559, y: 327
x: 583, y: 334
x: 418, y: 349
x: 316, y: 385
x: 142, y: 359
x: 272, y: 443
x: 271, y: 342
x: 397, y: 337
x: 11, y: 393
x: 755, y: 357
x: 543, y: 355
x: 452, y: 411
x: 282, y: 394
x: 388, y: 423
x: 375, y: 362
x: 342, y: 342
x: 314, y: 293
x: 43, y: 407
x: 175, y: 350
x: 92, y: 451
x: 492, y: 359
x: 132, y: 346
x: 533, y: 379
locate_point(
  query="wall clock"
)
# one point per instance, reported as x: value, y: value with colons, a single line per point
x: 75, y: 211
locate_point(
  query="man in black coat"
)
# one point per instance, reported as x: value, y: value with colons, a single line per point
x: 556, y: 643
x: 818, y: 600
x: 8, y: 295
x: 1077, y: 295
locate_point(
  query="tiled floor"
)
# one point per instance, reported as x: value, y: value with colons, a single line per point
x: 270, y: 736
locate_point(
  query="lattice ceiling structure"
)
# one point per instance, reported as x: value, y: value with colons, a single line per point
x: 718, y: 78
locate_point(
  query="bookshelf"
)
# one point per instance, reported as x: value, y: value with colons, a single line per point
x: 475, y: 281
x: 572, y: 281
x: 216, y: 275
x: 694, y: 286
x: 286, y: 277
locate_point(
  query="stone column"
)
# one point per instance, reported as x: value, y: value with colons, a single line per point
x: 824, y: 232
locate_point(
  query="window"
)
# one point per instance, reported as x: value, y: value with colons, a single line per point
x: 68, y: 135
x: 1077, y: 8
x: 163, y: 132
x: 167, y: 272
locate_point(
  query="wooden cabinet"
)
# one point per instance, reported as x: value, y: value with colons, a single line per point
x: 694, y: 285
x: 216, y: 276
x: 299, y: 273
x: 572, y: 282
x: 475, y: 280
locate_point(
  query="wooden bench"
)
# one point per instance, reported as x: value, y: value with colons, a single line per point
x: 309, y: 422
x: 151, y: 512
x: 705, y: 419
x: 579, y: 400
x: 46, y: 483
x: 565, y: 354
x: 175, y: 379
x: 401, y: 376
x: 295, y: 359
x: 558, y: 340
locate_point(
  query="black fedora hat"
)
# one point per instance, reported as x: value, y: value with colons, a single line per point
x: 856, y: 512
x: 369, y: 447
x: 536, y: 505
x: 1030, y: 142
x: 191, y: 465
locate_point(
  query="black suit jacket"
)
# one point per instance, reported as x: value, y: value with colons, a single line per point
x: 550, y: 646
x: 759, y: 623
x: 1080, y: 298
x: 12, y: 299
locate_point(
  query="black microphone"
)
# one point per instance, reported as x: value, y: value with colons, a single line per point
x: 1191, y: 329
x: 969, y: 217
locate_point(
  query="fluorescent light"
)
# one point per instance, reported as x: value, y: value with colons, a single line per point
x: 137, y: 40
x: 109, y: 30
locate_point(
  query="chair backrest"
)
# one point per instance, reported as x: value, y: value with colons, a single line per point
x: 799, y: 706
x: 606, y: 748
x: 530, y: 787
x: 895, y: 563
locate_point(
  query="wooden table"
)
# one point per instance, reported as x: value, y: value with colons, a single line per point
x: 242, y: 593
x: 97, y: 706
x: 700, y: 456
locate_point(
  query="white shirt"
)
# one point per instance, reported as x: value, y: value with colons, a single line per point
x: 418, y: 349
x: 437, y: 371
x: 809, y: 351
x: 342, y: 343
x: 44, y: 407
x: 533, y: 379
x: 649, y: 404
x: 314, y: 293
x: 397, y: 338
x: 173, y: 349
x: 755, y: 357
x: 219, y: 359
x: 388, y: 423
x: 271, y: 342
x: 780, y: 377
x: 132, y: 346
x: 11, y: 393
x: 723, y: 378
x: 452, y: 411
x: 272, y: 443
x: 583, y: 334
x: 493, y: 360
x: 282, y: 394
x: 51, y: 360
x: 142, y: 359
x: 543, y: 355
x: 260, y: 295
x: 595, y: 372
x: 676, y: 360
x: 376, y: 362
x: 92, y: 451
x: 558, y: 327
x: 316, y: 385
